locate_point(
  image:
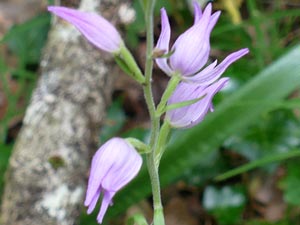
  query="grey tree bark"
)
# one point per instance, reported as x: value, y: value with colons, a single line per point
x: 47, y: 174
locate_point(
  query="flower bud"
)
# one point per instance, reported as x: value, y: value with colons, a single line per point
x: 114, y: 165
x: 191, y: 49
x: 95, y: 28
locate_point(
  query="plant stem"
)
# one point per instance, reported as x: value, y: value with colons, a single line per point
x: 152, y: 167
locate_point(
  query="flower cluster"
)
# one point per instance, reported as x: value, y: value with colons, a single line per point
x: 190, y: 54
x: 117, y: 162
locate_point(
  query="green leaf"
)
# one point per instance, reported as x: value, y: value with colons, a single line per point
x: 291, y: 104
x: 257, y: 163
x: 290, y: 184
x: 273, y: 84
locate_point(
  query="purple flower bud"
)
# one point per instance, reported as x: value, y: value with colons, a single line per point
x: 95, y: 28
x: 192, y: 48
x: 114, y: 165
x: 191, y: 115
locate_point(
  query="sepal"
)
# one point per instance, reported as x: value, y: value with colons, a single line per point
x: 127, y: 62
x: 140, y: 146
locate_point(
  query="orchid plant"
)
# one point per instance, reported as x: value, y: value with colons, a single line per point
x: 184, y: 103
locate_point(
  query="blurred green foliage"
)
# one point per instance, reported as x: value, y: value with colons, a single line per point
x: 26, y: 40
x: 226, y: 204
x: 291, y: 183
x: 5, y: 151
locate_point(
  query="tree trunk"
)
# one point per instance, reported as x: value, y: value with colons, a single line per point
x: 46, y: 178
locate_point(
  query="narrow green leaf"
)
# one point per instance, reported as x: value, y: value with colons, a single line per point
x: 273, y: 84
x: 183, y: 104
x: 257, y: 163
x: 290, y: 104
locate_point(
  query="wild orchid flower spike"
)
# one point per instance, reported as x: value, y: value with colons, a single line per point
x: 114, y: 165
x: 191, y: 115
x: 95, y: 28
x: 192, y: 48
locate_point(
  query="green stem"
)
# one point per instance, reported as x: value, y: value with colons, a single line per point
x: 152, y: 167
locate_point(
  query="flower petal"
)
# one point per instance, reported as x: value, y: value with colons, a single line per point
x: 123, y: 171
x: 206, y: 70
x: 208, y: 76
x: 191, y: 115
x: 95, y: 28
x: 213, y: 20
x: 114, y: 165
x: 102, y: 161
x: 206, y: 105
x: 106, y: 201
x: 183, y: 92
x: 192, y: 47
x: 197, y: 12
x: 92, y: 204
x: 164, y: 42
